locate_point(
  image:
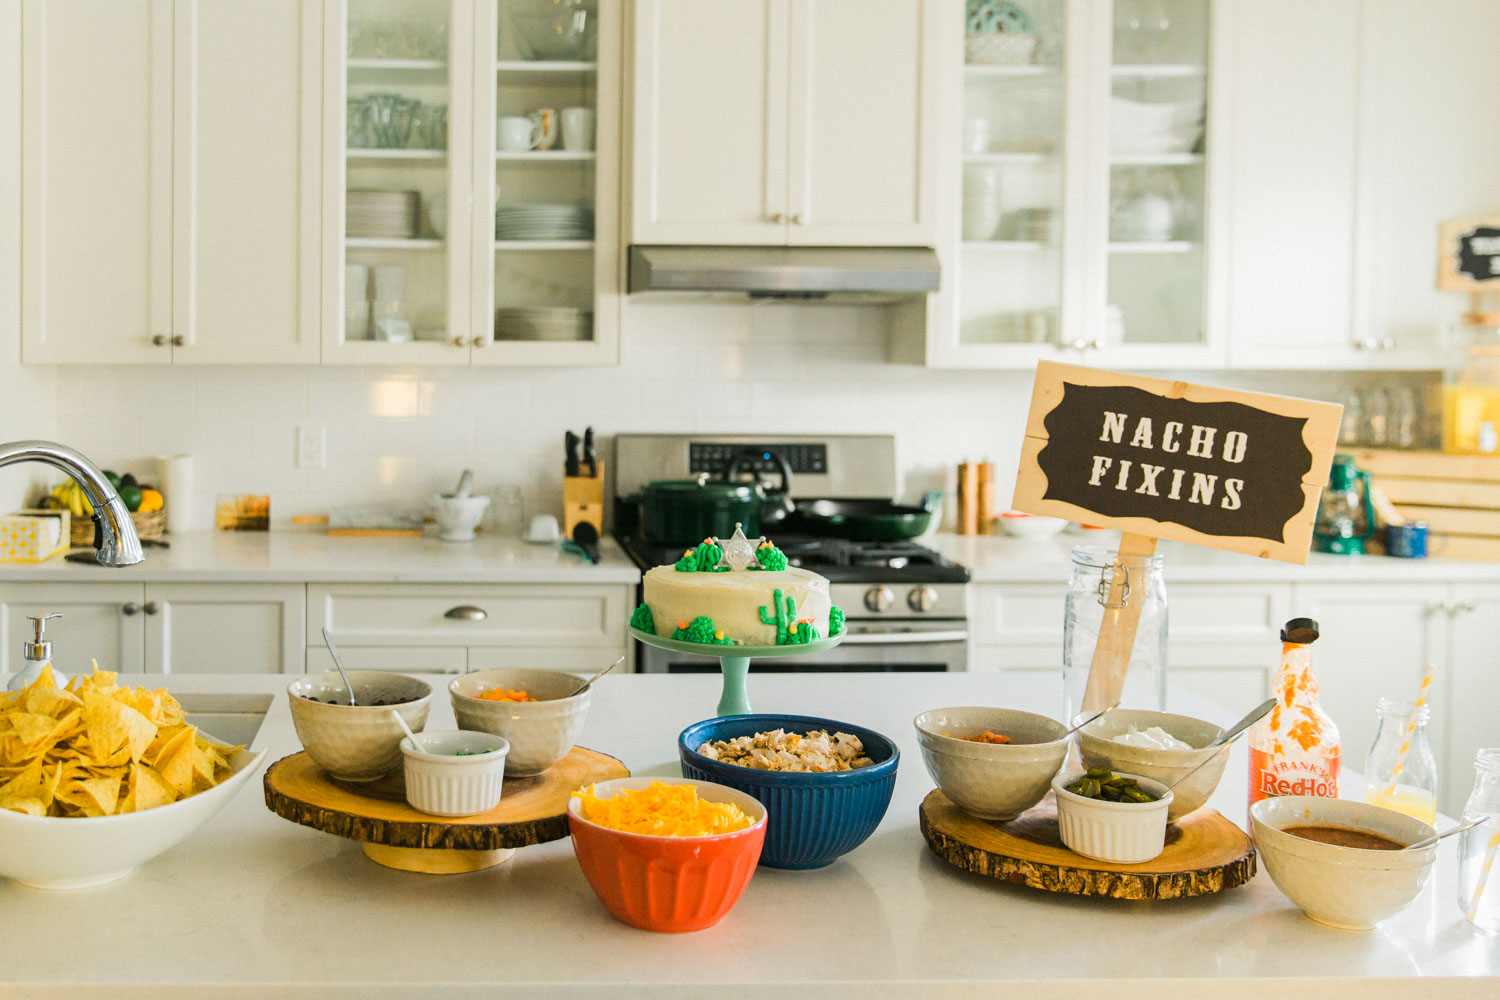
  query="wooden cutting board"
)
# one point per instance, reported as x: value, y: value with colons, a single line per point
x: 531, y: 811
x: 1205, y: 853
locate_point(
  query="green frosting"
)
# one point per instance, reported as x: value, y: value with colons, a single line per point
x: 642, y: 619
x: 770, y: 557
x: 801, y: 634
x: 783, y: 615
x: 835, y: 620
x: 700, y: 630
x: 704, y: 559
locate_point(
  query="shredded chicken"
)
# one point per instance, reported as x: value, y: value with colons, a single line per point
x: 779, y: 750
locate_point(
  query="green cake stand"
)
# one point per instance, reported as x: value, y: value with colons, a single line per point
x: 734, y: 662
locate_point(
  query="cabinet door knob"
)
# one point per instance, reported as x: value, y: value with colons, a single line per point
x: 460, y: 341
x: 179, y: 340
x: 777, y: 217
x: 1465, y: 607
x: 1388, y: 344
x: 150, y: 608
x: 158, y: 341
x: 797, y: 220
x: 1079, y: 345
x: 481, y: 341
x: 129, y: 608
x: 467, y: 613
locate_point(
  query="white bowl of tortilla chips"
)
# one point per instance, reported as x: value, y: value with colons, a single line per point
x: 96, y: 779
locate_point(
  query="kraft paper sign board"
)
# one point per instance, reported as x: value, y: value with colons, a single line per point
x: 1469, y: 254
x: 1220, y: 468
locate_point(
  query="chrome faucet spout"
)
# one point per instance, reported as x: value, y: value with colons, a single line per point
x: 114, y: 531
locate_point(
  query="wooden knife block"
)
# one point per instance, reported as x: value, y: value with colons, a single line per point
x: 583, y: 500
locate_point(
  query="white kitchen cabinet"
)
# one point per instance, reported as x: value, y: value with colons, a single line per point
x: 159, y: 628
x: 170, y: 176
x: 778, y: 122
x: 1467, y: 688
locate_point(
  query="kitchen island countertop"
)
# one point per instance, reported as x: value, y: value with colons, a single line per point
x: 252, y: 905
x: 316, y: 557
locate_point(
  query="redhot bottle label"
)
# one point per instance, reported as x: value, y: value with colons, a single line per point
x: 1272, y: 775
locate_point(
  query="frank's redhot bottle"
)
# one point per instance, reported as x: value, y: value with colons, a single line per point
x: 1294, y: 750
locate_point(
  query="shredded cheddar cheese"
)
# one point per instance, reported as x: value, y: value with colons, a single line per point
x: 662, y: 810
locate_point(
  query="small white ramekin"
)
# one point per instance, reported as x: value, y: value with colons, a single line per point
x: 1121, y: 832
x: 442, y: 782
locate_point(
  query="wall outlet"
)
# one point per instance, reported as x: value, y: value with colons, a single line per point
x: 312, y: 446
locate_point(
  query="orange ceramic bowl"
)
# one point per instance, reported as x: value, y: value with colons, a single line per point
x: 670, y: 884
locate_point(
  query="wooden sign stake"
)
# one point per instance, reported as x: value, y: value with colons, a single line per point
x: 1122, y: 616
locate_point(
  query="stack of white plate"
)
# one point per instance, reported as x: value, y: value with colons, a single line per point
x: 544, y: 222
x: 543, y: 323
x: 380, y: 213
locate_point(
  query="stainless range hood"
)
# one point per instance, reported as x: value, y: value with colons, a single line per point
x: 785, y: 272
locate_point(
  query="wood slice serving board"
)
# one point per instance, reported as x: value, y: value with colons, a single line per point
x: 1205, y: 853
x: 531, y: 811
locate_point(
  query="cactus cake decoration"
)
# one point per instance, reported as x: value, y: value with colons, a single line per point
x: 789, y: 630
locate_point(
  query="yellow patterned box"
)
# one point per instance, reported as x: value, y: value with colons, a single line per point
x: 33, y: 535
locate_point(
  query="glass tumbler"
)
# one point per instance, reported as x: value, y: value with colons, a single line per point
x: 1094, y: 568
x: 1478, y: 882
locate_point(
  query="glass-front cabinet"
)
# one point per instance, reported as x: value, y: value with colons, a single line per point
x: 474, y: 218
x: 1084, y: 163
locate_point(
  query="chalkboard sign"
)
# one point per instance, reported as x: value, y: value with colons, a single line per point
x: 1469, y: 254
x: 1231, y: 470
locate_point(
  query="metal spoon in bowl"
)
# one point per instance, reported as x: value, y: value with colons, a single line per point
x: 1230, y: 735
x: 595, y: 677
x: 1096, y: 715
x: 334, y: 652
x: 1429, y: 841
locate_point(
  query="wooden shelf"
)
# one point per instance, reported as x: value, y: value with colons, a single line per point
x: 405, y: 70
x: 378, y: 153
x: 1002, y: 158
x: 1156, y: 159
x: 546, y: 156
x: 544, y: 244
x: 981, y: 70
x: 1161, y: 246
x: 373, y: 243
x: 1158, y: 69
x: 1004, y: 246
x: 548, y: 66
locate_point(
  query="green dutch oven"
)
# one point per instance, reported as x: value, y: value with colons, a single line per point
x: 686, y: 511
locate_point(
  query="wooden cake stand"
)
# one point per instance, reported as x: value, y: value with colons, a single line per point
x: 392, y: 833
x: 1205, y: 853
x: 734, y: 662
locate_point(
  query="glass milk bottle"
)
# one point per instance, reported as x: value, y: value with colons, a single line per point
x: 1087, y: 604
x: 1406, y: 783
x: 1294, y: 750
x: 1478, y: 877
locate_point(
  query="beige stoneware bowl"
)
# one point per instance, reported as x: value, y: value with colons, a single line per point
x: 1097, y: 746
x: 540, y: 732
x: 359, y: 742
x: 991, y: 781
x: 1344, y: 887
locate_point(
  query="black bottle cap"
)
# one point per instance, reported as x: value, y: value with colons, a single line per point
x: 1300, y: 630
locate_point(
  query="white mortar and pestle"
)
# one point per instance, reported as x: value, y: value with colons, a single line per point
x: 457, y: 513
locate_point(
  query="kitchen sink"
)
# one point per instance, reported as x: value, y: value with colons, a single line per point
x: 233, y: 718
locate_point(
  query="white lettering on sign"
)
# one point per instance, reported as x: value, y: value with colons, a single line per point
x: 1142, y: 436
x: 1234, y: 446
x: 1203, y: 486
x: 1143, y: 476
x: 1202, y: 444
x: 1169, y: 436
x: 1175, y: 493
x: 1114, y: 426
x: 1148, y: 479
x: 1232, y: 489
x: 1101, y: 466
x: 1123, y: 482
x: 1485, y: 245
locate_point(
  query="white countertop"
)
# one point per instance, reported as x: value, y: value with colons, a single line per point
x: 1002, y: 559
x: 314, y: 557
x: 252, y: 905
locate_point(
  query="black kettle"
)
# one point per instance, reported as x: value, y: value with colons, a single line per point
x: 778, y: 502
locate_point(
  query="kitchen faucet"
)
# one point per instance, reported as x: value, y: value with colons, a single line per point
x: 114, y: 533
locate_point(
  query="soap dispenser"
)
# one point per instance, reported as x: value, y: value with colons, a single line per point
x: 36, y: 655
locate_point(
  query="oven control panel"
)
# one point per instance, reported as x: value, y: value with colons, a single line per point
x: 714, y: 458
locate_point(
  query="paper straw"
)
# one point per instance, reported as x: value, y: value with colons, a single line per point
x: 1411, y: 727
x: 1484, y: 872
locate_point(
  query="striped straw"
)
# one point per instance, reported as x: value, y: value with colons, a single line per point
x: 1411, y: 727
x: 1484, y: 872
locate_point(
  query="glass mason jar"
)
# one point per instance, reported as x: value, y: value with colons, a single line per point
x: 1094, y: 569
x: 1478, y: 872
x: 1413, y: 788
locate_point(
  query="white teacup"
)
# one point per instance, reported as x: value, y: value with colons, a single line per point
x: 516, y: 133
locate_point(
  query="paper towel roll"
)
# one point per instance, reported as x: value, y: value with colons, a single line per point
x: 177, y: 491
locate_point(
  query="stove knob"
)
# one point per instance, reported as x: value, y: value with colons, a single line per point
x: 922, y: 599
x: 879, y: 599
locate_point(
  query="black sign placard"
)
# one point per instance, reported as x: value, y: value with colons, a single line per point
x: 1218, y: 468
x: 1479, y: 253
x: 1163, y: 459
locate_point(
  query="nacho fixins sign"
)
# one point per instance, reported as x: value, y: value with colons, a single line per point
x: 1232, y: 470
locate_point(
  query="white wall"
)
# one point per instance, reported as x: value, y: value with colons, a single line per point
x: 728, y: 367
x: 28, y: 396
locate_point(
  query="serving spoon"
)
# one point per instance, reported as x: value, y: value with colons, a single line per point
x: 595, y: 677
x: 1230, y: 735
x: 1096, y: 715
x: 334, y: 652
x: 1429, y: 841
x: 415, y: 743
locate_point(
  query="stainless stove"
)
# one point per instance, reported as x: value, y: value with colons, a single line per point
x: 905, y: 605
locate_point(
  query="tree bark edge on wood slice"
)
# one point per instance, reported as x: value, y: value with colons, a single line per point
x: 1208, y: 855
x: 296, y: 789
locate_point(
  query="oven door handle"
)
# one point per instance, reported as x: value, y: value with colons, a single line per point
x: 905, y: 638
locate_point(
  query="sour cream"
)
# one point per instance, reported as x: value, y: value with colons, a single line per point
x: 1155, y: 738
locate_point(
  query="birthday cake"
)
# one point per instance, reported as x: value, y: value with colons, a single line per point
x: 737, y: 593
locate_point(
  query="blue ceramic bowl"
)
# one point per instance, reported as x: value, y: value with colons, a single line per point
x: 812, y: 818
